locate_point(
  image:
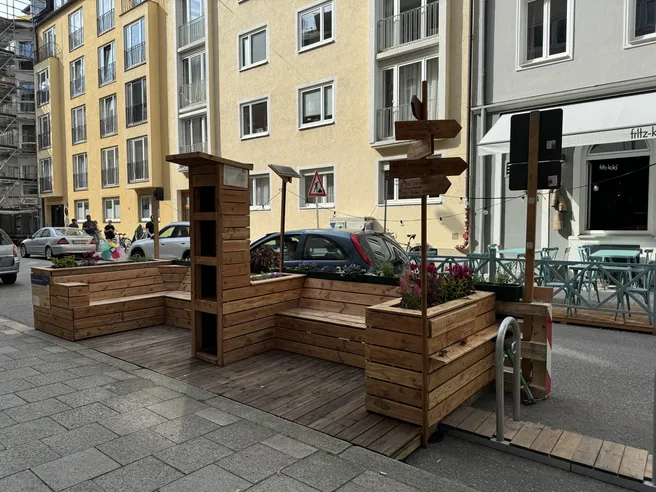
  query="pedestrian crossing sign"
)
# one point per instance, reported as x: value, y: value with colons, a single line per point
x: 316, y: 187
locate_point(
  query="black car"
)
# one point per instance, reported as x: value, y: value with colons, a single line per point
x: 336, y: 247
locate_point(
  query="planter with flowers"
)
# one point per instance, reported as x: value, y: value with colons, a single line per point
x: 461, y: 327
x: 346, y: 273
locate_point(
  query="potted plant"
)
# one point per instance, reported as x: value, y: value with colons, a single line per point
x: 502, y: 286
x: 346, y: 273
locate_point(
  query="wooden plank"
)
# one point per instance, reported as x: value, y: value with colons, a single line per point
x: 394, y: 392
x: 463, y: 347
x: 115, y: 286
x: 534, y: 350
x: 455, y: 418
x: 375, y: 432
x: 356, y: 287
x: 232, y: 195
x: 416, y: 168
x: 235, y: 233
x: 321, y: 341
x: 521, y: 309
x: 234, y: 282
x: 633, y: 463
x: 527, y: 435
x: 417, y: 187
x: 396, y: 358
x: 511, y: 428
x: 394, y: 339
x: 249, y: 351
x: 118, y: 327
x: 230, y: 221
x: 475, y: 419
x: 321, y: 328
x: 109, y: 319
x: 127, y: 292
x: 448, y: 371
x: 235, y: 208
x: 283, y: 284
x: 205, y: 306
x: 69, y: 289
x: 420, y: 129
x: 260, y: 301
x: 249, y: 339
x: 452, y: 385
x: 546, y: 440
x: 460, y: 332
x: 386, y: 321
x: 257, y: 313
x: 440, y: 411
x: 97, y: 269
x: 235, y: 257
x: 648, y: 468
x: 236, y: 269
x: 393, y: 409
x: 118, y: 306
x: 348, y: 297
x: 250, y: 327
x: 453, y: 320
x: 54, y: 330
x: 610, y: 457
x: 57, y: 311
x: 393, y: 441
x: 109, y: 276
x: 488, y: 427
x: 391, y: 374
x: 178, y: 322
x: 587, y: 451
x: 320, y: 352
x: 566, y: 445
x: 335, y: 307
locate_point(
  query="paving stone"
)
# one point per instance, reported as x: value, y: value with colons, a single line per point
x: 177, y: 407
x: 49, y: 367
x: 10, y: 400
x: 256, y: 462
x: 6, y: 420
x: 131, y: 401
x: 305, y: 434
x: 5, y: 358
x: 24, y: 481
x: 238, y: 409
x: 80, y: 416
x: 119, y: 374
x: 281, y: 483
x: 129, y: 386
x: 194, y: 454
x: 375, y: 481
x: 209, y: 479
x: 7, y: 349
x: 55, y: 349
x: 87, y: 486
x: 85, y: 397
x: 218, y: 416
x: 22, y: 457
x: 144, y: 475
x: 90, y: 381
x: 67, y: 356
x: 92, y: 369
x: 240, y: 435
x: 129, y: 422
x: 175, y: 385
x: 49, y: 378
x: 27, y: 353
x: 18, y: 363
x: 23, y: 372
x: 79, y: 439
x: 163, y: 393
x: 36, y: 410
x: 135, y: 446
x: 43, y: 392
x: 185, y: 428
x: 75, y: 468
x: 29, y: 431
x: 323, y: 471
x: 15, y: 385
x: 289, y: 446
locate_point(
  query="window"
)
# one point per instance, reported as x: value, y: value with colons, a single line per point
x: 26, y: 49
x: 191, y: 9
x: 77, y: 77
x: 107, y: 64
x: 254, y: 118
x: 389, y: 189
x: 315, y: 26
x: 193, y: 80
x: 544, y: 26
x: 108, y: 119
x: 30, y: 188
x: 253, y: 48
x: 138, y: 160
x: 317, y: 105
x: 111, y: 209
x: 80, y: 172
x: 135, y: 44
x: 322, y: 248
x: 81, y: 210
x: 291, y: 245
x: 105, y: 15
x: 135, y: 102
x: 327, y: 175
x: 75, y: 30
x: 192, y: 28
x: 146, y: 206
x: 79, y: 124
x: 43, y: 138
x: 45, y: 175
x: 193, y: 135
x: 25, y: 65
x: 109, y: 167
x: 260, y: 189
x: 49, y: 47
x: 641, y: 20
x: 43, y: 87
x: 406, y: 21
x: 28, y: 137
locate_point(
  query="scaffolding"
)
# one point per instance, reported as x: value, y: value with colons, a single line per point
x: 20, y: 205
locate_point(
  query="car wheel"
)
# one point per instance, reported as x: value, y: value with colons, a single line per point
x: 136, y: 252
x: 48, y: 253
x: 23, y: 251
x: 9, y: 279
x: 186, y: 255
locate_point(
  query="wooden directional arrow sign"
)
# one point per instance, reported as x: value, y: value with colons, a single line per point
x: 418, y: 187
x: 416, y: 168
x: 420, y: 149
x: 424, y: 129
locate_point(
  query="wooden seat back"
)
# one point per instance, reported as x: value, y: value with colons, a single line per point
x: 345, y: 297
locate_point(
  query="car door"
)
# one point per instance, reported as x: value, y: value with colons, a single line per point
x: 174, y: 241
x: 30, y: 245
x: 44, y: 240
x: 292, y: 248
x: 324, y: 252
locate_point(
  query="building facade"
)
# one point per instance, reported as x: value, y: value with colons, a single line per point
x: 539, y: 54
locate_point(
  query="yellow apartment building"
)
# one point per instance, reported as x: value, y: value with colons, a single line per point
x: 102, y: 112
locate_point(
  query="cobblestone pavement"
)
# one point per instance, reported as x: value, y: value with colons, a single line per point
x: 73, y: 419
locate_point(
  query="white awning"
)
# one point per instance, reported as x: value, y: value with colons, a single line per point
x: 589, y: 123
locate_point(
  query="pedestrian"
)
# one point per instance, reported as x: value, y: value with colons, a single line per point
x: 74, y: 224
x: 91, y: 228
x: 150, y: 227
x: 110, y: 231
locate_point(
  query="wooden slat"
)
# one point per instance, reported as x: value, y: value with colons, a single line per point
x: 633, y: 463
x: 260, y: 301
x: 393, y: 409
x: 69, y: 289
x: 127, y: 292
x: 459, y: 349
x: 335, y: 307
x: 394, y: 392
x: 587, y: 451
x: 453, y: 320
x: 521, y: 309
x: 109, y: 319
x: 249, y: 339
x: 259, y: 289
x: 356, y: 287
x: 321, y: 341
x: 546, y: 440
x: 610, y: 457
x: 391, y: 374
x: 118, y: 327
x: 471, y: 423
x: 441, y: 410
x: 396, y: 358
x: 461, y: 332
x: 342, y: 296
x: 257, y: 313
x: 235, y: 233
x: 452, y: 385
x: 320, y: 352
x: 447, y: 372
x: 488, y: 427
x: 306, y: 317
x: 250, y: 327
x: 456, y: 417
x: 242, y: 353
x: 108, y: 276
x: 394, y: 339
x: 527, y: 435
x: 121, y: 286
x: 386, y: 321
x: 566, y: 445
x: 511, y: 428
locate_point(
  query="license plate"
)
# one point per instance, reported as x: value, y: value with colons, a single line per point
x: 79, y: 242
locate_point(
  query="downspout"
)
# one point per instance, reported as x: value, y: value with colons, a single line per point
x: 481, y: 86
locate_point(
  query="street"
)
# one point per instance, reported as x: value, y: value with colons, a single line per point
x: 16, y: 299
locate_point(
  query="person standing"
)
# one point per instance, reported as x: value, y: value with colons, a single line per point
x: 150, y: 227
x: 110, y: 231
x: 91, y: 228
x: 74, y: 224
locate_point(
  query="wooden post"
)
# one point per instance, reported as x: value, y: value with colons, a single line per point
x: 531, y: 205
x: 155, y: 215
x: 282, y: 224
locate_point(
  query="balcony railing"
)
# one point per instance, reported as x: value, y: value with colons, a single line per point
x: 408, y: 27
x: 105, y: 22
x: 77, y: 86
x: 45, y: 184
x: 193, y: 93
x: 45, y: 51
x: 137, y: 171
x: 80, y: 181
x: 191, y: 32
x: 76, y: 39
x: 9, y: 108
x: 79, y: 133
x: 109, y: 177
x: 136, y: 114
x: 43, y: 140
x: 107, y: 74
x: 135, y: 55
x: 28, y: 143
x: 108, y: 126
x: 386, y: 117
x: 42, y: 96
x: 130, y: 4
x: 26, y: 106
x: 195, y: 147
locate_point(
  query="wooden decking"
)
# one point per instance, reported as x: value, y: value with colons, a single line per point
x: 320, y: 394
x: 603, y: 319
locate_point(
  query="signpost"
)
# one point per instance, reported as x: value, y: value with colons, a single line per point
x: 418, y: 187
x: 286, y: 173
x: 410, y: 168
x: 316, y: 191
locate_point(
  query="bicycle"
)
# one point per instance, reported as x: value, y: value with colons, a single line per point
x: 124, y: 241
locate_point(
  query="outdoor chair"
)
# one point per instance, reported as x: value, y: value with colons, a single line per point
x: 561, y: 281
x: 589, y: 278
x: 644, y: 292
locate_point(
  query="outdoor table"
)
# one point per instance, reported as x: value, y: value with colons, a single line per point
x: 627, y: 254
x: 513, y: 251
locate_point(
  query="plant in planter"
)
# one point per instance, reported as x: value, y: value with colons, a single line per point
x: 503, y: 286
x: 386, y: 269
x: 141, y: 259
x: 351, y: 270
x: 90, y: 258
x: 457, y: 282
x: 264, y: 260
x: 306, y: 266
x: 265, y: 276
x: 65, y: 262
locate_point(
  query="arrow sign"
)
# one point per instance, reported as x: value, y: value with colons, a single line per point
x: 316, y: 187
x: 424, y: 129
x: 418, y: 187
x: 449, y: 166
x: 420, y: 149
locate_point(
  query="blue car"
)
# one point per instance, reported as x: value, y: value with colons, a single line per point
x: 336, y: 247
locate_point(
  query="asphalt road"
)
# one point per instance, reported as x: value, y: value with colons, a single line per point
x: 16, y: 299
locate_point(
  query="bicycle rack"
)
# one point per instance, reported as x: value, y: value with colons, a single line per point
x: 517, y: 371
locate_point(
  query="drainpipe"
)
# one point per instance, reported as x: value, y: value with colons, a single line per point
x: 481, y: 86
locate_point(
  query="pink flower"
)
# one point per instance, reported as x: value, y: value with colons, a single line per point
x: 416, y: 290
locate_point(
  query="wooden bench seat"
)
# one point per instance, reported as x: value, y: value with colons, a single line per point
x: 348, y: 320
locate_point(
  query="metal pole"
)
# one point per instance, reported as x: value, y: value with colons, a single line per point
x: 517, y: 372
x: 653, y: 449
x: 282, y: 224
x: 317, y: 203
x: 385, y: 198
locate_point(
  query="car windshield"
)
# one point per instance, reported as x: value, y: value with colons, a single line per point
x: 4, y: 238
x: 69, y: 231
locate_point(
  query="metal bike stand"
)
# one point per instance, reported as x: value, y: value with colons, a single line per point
x: 517, y: 371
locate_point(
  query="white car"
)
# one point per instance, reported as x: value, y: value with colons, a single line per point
x: 174, y: 243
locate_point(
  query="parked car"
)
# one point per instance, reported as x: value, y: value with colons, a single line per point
x: 336, y: 247
x: 9, y: 259
x: 57, y: 241
x: 174, y: 243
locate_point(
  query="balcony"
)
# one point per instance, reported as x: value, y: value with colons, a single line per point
x: 408, y: 27
x: 138, y: 171
x: 130, y: 4
x: 76, y: 39
x: 108, y: 126
x: 77, y: 86
x: 43, y: 140
x: 195, y: 147
x: 192, y: 94
x: 109, y: 177
x: 136, y: 114
x: 135, y: 56
x: 28, y: 143
x: 47, y: 50
x: 80, y: 181
x: 8, y: 108
x: 79, y: 133
x: 9, y: 139
x: 386, y: 117
x: 45, y: 184
x: 105, y: 22
x: 191, y: 32
x: 107, y: 74
x: 42, y: 96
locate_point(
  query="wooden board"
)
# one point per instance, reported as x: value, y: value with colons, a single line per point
x: 393, y: 409
x: 633, y: 463
x: 527, y: 435
x: 394, y: 392
x: 546, y: 440
x: 383, y: 372
x: 566, y: 445
x: 587, y: 451
x: 320, y: 352
x: 610, y: 457
x: 474, y: 420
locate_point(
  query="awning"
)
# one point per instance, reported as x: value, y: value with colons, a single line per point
x: 589, y: 123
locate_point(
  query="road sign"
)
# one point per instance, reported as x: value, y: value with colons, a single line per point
x: 420, y: 149
x: 424, y: 129
x: 549, y: 176
x: 550, y: 138
x: 316, y: 187
x: 417, y: 168
x: 418, y: 187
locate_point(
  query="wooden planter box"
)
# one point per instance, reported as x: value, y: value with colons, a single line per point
x: 460, y: 356
x: 362, y: 279
x: 504, y: 292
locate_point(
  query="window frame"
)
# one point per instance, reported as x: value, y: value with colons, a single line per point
x: 129, y: 148
x: 251, y: 103
x: 522, y: 32
x: 115, y: 201
x: 143, y: 198
x: 299, y: 25
x: 144, y: 36
x: 42, y: 85
x: 76, y: 167
x: 190, y: 121
x: 312, y: 87
x: 82, y: 76
x: 249, y: 35
x: 102, y: 116
x: 396, y: 202
x: 252, y: 191
x: 101, y: 61
x: 128, y: 99
x: 77, y: 203
x: 74, y: 119
x: 630, y: 38
x: 307, y: 172
x: 104, y: 167
x: 70, y: 32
